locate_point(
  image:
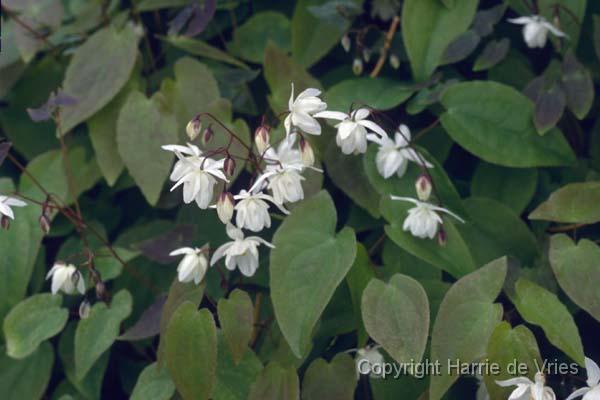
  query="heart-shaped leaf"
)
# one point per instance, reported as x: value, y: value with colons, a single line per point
x: 29, y: 377
x: 236, y: 317
x: 154, y: 383
x: 574, y: 203
x: 275, y: 383
x: 333, y: 381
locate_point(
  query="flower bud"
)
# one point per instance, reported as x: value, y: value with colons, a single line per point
x: 45, y: 224
x: 366, y: 54
x: 5, y: 222
x: 84, y: 309
x: 394, y: 61
x: 307, y: 153
x: 225, y: 206
x: 229, y: 166
x: 442, y: 238
x: 193, y: 128
x: 262, y: 138
x: 207, y: 135
x: 357, y: 66
x: 100, y: 290
x: 423, y: 186
x: 346, y: 43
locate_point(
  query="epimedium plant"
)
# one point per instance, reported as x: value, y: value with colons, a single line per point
x: 364, y: 183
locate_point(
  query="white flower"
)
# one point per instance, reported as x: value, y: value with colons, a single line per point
x: 528, y: 390
x: 285, y: 156
x: 368, y: 358
x: 240, y: 252
x: 393, y: 155
x: 301, y: 110
x: 535, y: 30
x: 592, y: 392
x: 66, y: 278
x: 423, y: 220
x: 352, y: 131
x: 253, y: 210
x: 196, y: 173
x: 6, y: 203
x: 191, y: 267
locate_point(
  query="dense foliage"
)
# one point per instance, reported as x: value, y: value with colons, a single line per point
x: 241, y: 199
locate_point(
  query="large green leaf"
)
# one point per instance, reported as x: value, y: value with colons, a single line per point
x: 401, y: 330
x: 495, y: 122
x: 237, y: 321
x: 141, y: 131
x: 154, y: 383
x: 300, y: 286
x: 465, y: 321
x: 97, y: 72
x: 32, y: 321
x: 250, y: 39
x: 192, y: 351
x: 380, y: 93
x: 26, y: 378
x: 541, y: 307
x: 573, y: 203
x: 357, y: 279
x: 335, y: 380
x: 95, y: 334
x: 576, y: 267
x: 428, y: 27
x: 276, y: 383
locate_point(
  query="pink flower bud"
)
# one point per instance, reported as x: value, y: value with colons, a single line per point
x: 423, y: 186
x: 84, y: 309
x: 193, y: 128
x: 45, y: 224
x: 229, y: 166
x: 307, y: 153
x: 442, y: 237
x: 262, y: 138
x: 207, y: 135
x: 225, y: 206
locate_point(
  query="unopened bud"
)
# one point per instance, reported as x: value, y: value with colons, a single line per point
x: 307, y: 153
x: 45, y: 224
x: 193, y: 128
x: 394, y: 61
x: 229, y: 166
x: 346, y: 43
x: 5, y: 222
x: 207, y: 135
x: 357, y: 66
x: 366, y: 53
x: 75, y: 277
x: 423, y: 186
x: 100, y: 290
x: 84, y: 309
x: 262, y: 138
x: 225, y: 206
x: 442, y: 238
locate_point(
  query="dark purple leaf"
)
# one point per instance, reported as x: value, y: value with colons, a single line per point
x: 44, y: 113
x: 534, y: 88
x: 149, y: 323
x: 549, y: 108
x: 484, y: 21
x: 461, y: 47
x: 578, y: 85
x: 158, y: 248
x: 494, y: 52
x: 201, y: 18
x: 4, y: 148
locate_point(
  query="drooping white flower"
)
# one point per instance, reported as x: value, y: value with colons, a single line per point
x: 393, y: 155
x: 367, y: 358
x: 592, y: 391
x: 241, y: 253
x: 352, y: 131
x: 65, y: 278
x: 192, y: 266
x: 528, y: 390
x: 424, y: 219
x: 253, y: 210
x: 535, y: 30
x: 6, y: 203
x: 301, y: 111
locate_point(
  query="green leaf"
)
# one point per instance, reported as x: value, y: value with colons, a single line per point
x: 428, y: 27
x: 97, y: 72
x: 401, y: 331
x: 26, y: 378
x: 154, y: 383
x: 312, y: 38
x: 493, y: 53
x: 275, y: 383
x: 236, y: 316
x: 151, y: 5
x: 578, y: 86
x: 357, y: 279
x: 495, y: 122
x: 575, y: 266
x: 541, y: 307
x: 507, y: 346
x: 141, y: 131
x: 250, y: 40
x: 454, y: 257
x: 332, y: 381
x: 300, y: 286
x: 465, y: 321
x: 514, y: 187
x: 191, y: 351
x: 575, y: 203
x: 31, y: 322
x: 202, y: 49
x: 380, y: 93
x: 95, y: 334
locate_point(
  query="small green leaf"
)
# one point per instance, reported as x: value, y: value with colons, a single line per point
x: 26, y: 378
x: 541, y: 307
x: 191, y: 351
x: 203, y: 49
x: 578, y: 86
x: 575, y: 203
x: 32, y: 321
x: 493, y: 53
x: 575, y: 266
x: 154, y: 383
x: 332, y: 381
x: 250, y: 39
x: 275, y: 383
x: 95, y: 334
x: 300, y: 286
x: 380, y: 93
x: 236, y: 317
x: 401, y: 331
